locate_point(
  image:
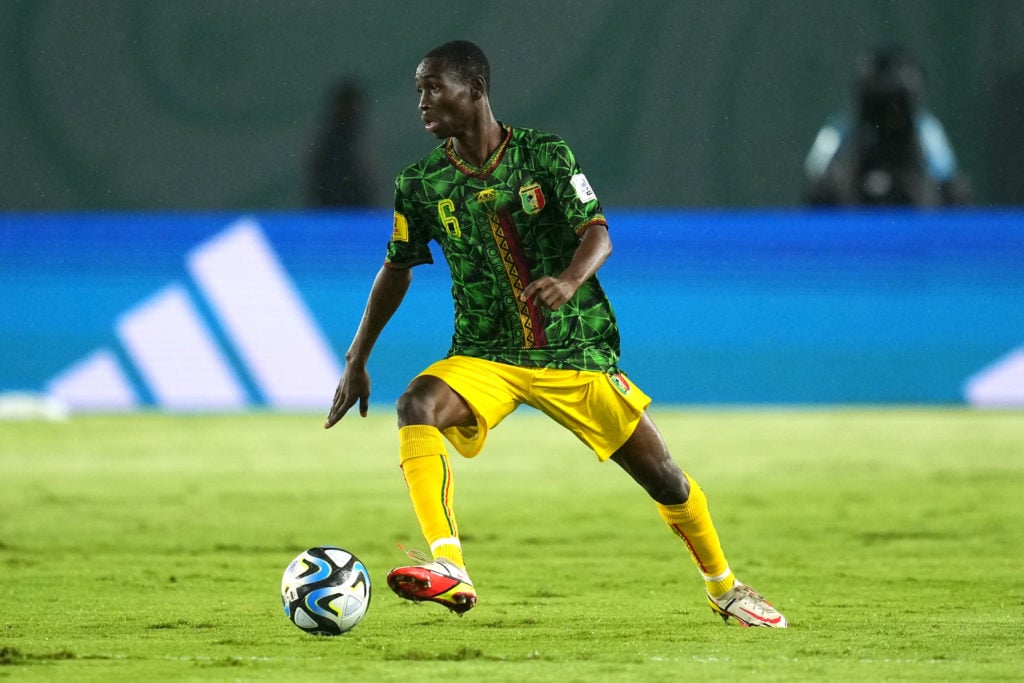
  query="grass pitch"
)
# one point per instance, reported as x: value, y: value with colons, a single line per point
x: 151, y: 547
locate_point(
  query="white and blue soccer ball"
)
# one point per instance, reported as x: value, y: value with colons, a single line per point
x: 325, y: 591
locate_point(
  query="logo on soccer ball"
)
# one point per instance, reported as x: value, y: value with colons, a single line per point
x: 325, y: 591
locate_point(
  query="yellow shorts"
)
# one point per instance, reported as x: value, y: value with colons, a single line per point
x: 602, y: 410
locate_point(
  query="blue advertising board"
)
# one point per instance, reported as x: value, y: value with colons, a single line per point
x: 215, y: 311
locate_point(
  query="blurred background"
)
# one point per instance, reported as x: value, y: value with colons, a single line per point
x: 199, y: 104
x: 194, y: 194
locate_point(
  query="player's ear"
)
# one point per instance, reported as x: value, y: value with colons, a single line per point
x: 478, y: 87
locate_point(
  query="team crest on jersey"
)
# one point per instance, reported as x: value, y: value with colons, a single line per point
x: 620, y: 382
x: 532, y: 197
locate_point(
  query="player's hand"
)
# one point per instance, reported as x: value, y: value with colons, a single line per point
x: 353, y: 386
x: 548, y: 292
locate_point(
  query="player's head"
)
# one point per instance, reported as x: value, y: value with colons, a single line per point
x: 463, y: 59
x: 453, y: 82
x: 890, y: 88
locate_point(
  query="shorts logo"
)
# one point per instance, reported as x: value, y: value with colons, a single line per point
x: 532, y: 197
x: 620, y: 382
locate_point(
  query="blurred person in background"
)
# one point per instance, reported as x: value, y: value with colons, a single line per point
x: 340, y: 174
x: 890, y: 150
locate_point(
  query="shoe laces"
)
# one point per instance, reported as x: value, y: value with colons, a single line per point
x: 743, y: 589
x: 738, y: 592
x: 415, y: 555
x: 450, y: 568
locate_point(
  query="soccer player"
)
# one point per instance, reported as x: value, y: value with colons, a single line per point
x: 524, y: 236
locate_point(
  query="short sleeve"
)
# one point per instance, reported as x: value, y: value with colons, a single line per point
x: 576, y: 197
x: 410, y: 239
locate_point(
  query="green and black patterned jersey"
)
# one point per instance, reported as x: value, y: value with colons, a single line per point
x: 517, y: 218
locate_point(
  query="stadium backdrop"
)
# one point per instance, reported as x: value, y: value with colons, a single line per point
x: 219, y: 311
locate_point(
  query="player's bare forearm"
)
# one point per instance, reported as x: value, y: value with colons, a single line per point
x: 594, y: 250
x: 590, y: 255
x: 386, y: 295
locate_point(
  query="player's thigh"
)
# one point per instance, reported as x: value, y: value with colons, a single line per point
x: 602, y: 410
x: 490, y: 391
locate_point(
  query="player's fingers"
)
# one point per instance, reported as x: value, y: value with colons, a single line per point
x: 364, y: 405
x: 338, y: 411
x: 332, y: 419
x: 533, y: 289
x: 332, y: 414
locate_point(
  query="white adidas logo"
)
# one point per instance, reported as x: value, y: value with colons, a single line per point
x: 999, y: 385
x: 178, y: 358
x: 281, y: 358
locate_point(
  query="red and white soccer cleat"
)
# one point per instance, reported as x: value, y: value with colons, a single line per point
x: 440, y: 581
x: 748, y: 607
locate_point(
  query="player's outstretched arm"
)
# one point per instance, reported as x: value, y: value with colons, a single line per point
x: 386, y: 295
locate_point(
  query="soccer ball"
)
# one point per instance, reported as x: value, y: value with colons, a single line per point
x: 325, y: 591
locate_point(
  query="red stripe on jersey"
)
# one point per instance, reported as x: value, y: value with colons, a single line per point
x: 515, y: 248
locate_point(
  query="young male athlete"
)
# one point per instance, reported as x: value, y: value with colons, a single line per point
x: 523, y: 234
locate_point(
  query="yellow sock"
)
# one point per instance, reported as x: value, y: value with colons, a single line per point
x: 691, y: 521
x: 429, y: 478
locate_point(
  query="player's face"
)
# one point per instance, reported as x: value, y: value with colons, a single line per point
x: 446, y: 101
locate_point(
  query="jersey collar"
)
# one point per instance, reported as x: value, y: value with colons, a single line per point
x: 488, y: 166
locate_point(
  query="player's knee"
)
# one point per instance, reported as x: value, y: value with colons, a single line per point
x: 666, y: 483
x: 430, y: 401
x: 414, y: 407
x: 422, y: 402
x: 657, y: 473
x: 671, y: 488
